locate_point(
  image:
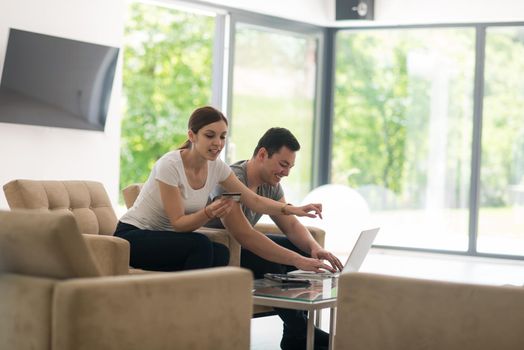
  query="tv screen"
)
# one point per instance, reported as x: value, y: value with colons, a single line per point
x: 52, y: 81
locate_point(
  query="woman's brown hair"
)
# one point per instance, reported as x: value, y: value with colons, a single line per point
x: 201, y: 117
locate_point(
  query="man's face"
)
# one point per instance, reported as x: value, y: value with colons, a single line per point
x: 277, y: 166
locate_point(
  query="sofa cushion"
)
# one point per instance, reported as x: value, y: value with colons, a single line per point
x: 43, y: 245
x: 86, y: 200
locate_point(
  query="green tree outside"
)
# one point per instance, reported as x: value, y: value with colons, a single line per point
x: 383, y: 112
x: 370, y: 113
x: 167, y: 73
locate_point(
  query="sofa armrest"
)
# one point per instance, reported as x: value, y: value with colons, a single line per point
x: 110, y: 253
x: 25, y: 311
x: 268, y: 228
x: 130, y: 194
x: 200, y: 309
x: 317, y: 233
x: 222, y: 236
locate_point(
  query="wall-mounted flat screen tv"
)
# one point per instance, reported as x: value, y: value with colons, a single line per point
x: 57, y: 82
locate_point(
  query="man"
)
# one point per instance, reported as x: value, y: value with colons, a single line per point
x: 272, y: 159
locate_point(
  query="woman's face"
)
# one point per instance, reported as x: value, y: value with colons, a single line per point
x: 210, y: 139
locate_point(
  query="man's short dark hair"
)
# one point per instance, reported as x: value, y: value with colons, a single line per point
x: 274, y: 139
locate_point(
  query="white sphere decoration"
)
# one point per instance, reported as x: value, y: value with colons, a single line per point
x: 345, y: 214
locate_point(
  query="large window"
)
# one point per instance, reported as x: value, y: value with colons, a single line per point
x: 274, y: 85
x: 402, y: 131
x: 167, y: 74
x: 436, y: 151
x: 501, y: 213
x: 410, y: 127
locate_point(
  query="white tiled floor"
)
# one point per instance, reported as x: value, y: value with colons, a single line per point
x: 445, y: 267
x: 266, y: 331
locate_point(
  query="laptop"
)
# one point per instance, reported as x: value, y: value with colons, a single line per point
x: 354, y: 261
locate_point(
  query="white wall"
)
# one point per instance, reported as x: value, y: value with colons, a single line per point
x: 322, y: 12
x: 442, y: 11
x: 35, y: 152
x: 310, y: 11
x: 431, y: 11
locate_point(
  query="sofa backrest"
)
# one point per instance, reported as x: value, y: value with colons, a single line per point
x: 43, y: 245
x: 376, y: 312
x: 86, y: 200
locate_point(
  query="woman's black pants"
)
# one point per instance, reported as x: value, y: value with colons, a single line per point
x: 171, y: 251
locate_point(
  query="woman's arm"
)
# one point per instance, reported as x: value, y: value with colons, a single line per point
x: 265, y: 205
x: 237, y: 224
x: 174, y: 208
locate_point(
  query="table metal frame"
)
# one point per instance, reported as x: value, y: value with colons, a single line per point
x: 313, y: 308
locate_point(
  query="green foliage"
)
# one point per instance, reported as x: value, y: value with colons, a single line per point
x: 370, y: 114
x: 393, y: 126
x: 166, y: 75
x: 253, y: 115
x: 403, y: 110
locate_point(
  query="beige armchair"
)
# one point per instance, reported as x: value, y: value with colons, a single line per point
x: 376, y: 312
x: 88, y: 203
x: 53, y: 298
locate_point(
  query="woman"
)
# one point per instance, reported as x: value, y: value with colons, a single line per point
x: 172, y: 204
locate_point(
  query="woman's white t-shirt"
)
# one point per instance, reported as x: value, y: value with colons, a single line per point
x: 148, y: 212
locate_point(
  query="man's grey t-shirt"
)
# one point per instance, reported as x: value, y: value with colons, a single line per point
x: 265, y: 190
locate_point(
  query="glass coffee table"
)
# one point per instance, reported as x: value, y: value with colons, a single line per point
x: 319, y: 295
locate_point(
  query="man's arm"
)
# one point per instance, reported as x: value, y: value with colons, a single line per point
x: 300, y: 236
x: 237, y: 224
x: 297, y: 233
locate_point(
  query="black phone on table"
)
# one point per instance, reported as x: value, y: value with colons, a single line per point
x: 284, y: 278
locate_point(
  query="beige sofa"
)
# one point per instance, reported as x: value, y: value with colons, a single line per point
x: 89, y: 203
x: 52, y: 296
x: 376, y: 312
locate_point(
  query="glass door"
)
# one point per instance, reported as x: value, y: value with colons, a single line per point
x: 403, y: 117
x: 274, y: 85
